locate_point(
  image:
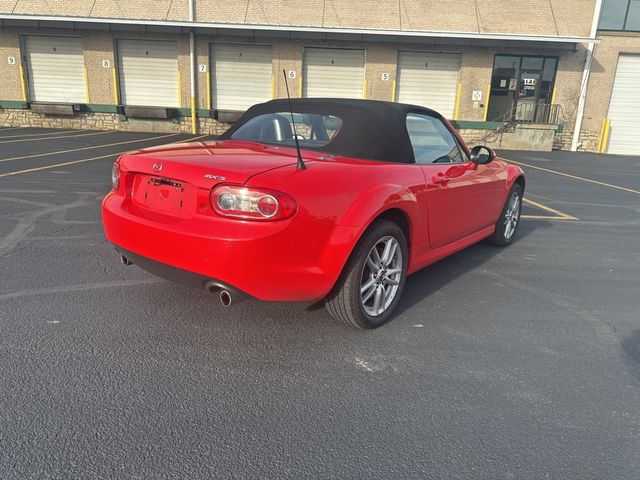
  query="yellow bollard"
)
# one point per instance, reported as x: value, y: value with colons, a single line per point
x: 456, y: 109
x: 194, y: 116
x: 86, y: 86
x: 116, y: 96
x: 23, y: 84
x: 486, y: 103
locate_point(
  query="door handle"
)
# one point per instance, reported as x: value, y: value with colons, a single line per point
x: 440, y: 179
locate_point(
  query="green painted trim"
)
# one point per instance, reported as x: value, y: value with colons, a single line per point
x: 200, y: 112
x: 13, y: 104
x: 476, y: 125
x: 99, y: 108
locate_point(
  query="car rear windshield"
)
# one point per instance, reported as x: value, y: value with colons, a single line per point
x: 311, y: 129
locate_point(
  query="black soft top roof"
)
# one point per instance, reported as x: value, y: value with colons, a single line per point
x: 370, y: 129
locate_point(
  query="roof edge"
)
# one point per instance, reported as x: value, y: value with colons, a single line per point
x: 307, y: 29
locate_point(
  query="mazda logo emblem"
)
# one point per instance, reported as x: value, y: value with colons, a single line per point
x: 157, y: 167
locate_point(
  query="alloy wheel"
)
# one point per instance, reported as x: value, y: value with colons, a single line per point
x: 381, y: 275
x: 512, y: 215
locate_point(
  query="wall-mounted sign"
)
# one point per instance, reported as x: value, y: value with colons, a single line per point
x: 513, y: 84
x: 202, y: 68
x: 476, y: 96
x: 384, y: 77
x: 291, y: 74
x: 106, y: 64
x: 503, y: 83
x: 531, y: 82
x: 11, y: 60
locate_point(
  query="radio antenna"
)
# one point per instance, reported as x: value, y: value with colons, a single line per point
x: 300, y: 164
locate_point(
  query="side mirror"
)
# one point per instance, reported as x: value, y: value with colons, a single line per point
x: 481, y: 155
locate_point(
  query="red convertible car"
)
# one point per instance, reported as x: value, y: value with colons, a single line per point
x: 375, y: 192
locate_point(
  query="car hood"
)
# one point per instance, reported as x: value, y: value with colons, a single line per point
x: 207, y: 163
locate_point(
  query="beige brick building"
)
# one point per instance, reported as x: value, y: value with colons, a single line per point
x: 506, y: 72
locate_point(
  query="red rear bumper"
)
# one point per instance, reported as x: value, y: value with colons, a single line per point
x: 293, y: 260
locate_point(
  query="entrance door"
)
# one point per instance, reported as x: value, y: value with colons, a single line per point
x: 521, y: 88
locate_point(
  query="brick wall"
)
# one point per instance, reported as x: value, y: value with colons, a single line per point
x: 603, y: 71
x: 552, y: 17
x: 10, y: 74
x: 139, y: 9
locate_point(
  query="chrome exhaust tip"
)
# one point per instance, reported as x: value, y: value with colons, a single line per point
x: 225, y: 298
x: 125, y: 260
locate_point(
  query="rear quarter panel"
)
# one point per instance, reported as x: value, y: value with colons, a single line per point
x: 353, y: 193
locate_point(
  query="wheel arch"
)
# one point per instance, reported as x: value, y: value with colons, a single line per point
x: 394, y: 214
x: 400, y: 218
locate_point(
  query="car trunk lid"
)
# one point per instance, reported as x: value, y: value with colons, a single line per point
x: 174, y: 181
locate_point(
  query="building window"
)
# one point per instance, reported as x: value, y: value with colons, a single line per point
x: 522, y: 88
x: 620, y: 15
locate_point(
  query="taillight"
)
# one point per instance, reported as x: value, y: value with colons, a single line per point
x: 251, y: 203
x: 115, y: 176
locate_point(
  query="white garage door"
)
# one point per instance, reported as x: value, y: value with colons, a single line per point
x: 148, y: 71
x: 241, y: 76
x: 429, y: 80
x: 55, y: 69
x: 624, y: 109
x: 333, y: 72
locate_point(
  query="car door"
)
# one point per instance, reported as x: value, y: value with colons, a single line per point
x: 460, y: 194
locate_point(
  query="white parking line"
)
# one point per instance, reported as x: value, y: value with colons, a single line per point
x: 53, y: 138
x: 84, y: 160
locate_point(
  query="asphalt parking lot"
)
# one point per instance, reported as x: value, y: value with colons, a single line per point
x: 516, y: 363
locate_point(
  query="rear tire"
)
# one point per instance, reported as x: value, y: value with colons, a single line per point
x: 372, y: 281
x: 509, y: 220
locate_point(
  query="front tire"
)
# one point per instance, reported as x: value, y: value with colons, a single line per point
x: 509, y: 220
x: 370, y: 286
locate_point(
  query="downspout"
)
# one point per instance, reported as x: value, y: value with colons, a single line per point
x: 585, y: 77
x: 192, y: 68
